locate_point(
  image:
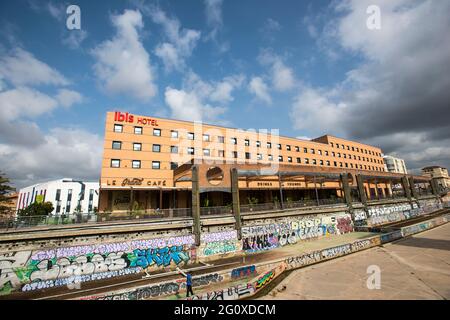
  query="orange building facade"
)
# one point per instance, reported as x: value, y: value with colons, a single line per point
x: 144, y: 153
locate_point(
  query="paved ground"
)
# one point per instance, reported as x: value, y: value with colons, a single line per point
x: 413, y: 268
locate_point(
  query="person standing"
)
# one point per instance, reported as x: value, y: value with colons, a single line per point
x: 188, y: 282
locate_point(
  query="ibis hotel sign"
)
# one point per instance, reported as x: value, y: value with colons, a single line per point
x: 126, y: 117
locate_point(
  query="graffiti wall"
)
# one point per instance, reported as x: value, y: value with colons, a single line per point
x: 330, y: 253
x: 34, y: 270
x: 153, y: 291
x: 290, y: 230
x: 243, y: 290
x: 218, y: 243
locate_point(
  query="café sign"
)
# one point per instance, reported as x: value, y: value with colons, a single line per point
x: 136, y: 182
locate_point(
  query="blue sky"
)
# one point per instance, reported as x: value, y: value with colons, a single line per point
x: 304, y: 67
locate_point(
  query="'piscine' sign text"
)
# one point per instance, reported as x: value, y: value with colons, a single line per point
x: 126, y: 117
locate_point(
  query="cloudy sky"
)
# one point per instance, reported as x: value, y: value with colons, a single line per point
x: 304, y: 67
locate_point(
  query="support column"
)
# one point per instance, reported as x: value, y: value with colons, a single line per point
x: 131, y: 199
x: 362, y: 194
x: 434, y: 186
x: 196, y: 204
x: 413, y: 189
x: 236, y: 205
x: 346, y: 188
x: 281, y: 191
x: 406, y: 187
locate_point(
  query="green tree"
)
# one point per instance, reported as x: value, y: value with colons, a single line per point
x: 5, y: 189
x: 37, y: 209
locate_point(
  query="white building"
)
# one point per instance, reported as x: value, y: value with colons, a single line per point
x: 65, y: 194
x: 396, y: 165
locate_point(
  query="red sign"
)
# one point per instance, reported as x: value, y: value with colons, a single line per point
x: 126, y: 117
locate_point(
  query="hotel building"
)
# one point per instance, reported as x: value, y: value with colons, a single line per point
x: 146, y: 161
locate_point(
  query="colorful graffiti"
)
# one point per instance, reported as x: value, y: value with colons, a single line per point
x: 219, y: 242
x: 291, y: 230
x: 42, y: 269
x: 242, y: 272
x: 330, y: 253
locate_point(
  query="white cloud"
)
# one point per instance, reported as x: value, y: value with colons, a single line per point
x: 258, y: 87
x: 213, y: 10
x: 188, y: 106
x: 20, y: 67
x: 63, y: 152
x: 24, y: 102
x: 181, y: 41
x: 74, y: 38
x: 282, y: 76
x: 123, y: 64
x: 68, y: 97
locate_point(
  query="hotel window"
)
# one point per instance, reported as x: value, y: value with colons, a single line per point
x: 259, y: 156
x: 221, y: 139
x: 206, y: 137
x: 258, y: 144
x: 269, y: 145
x: 247, y: 142
x: 137, y: 130
x: 279, y: 146
x: 332, y: 144
x: 221, y: 153
x: 173, y: 165
x: 346, y: 165
x: 136, y: 164
x: 351, y: 165
x: 235, y: 154
x: 313, y: 151
x: 156, y: 148
x: 157, y: 132
x: 345, y: 156
x: 360, y: 166
x: 326, y: 153
x: 289, y: 159
x: 343, y: 147
x: 247, y: 155
x: 280, y: 158
x: 288, y: 147
x: 337, y: 145
x: 297, y: 148
x: 357, y: 149
x: 190, y: 150
x: 174, y: 134
x: 333, y: 154
x: 270, y: 157
x: 305, y: 150
x: 115, y: 163
x: 306, y: 161
x: 359, y: 158
x: 190, y: 136
x: 328, y: 162
x: 321, y: 162
x: 353, y: 148
x: 319, y: 152
x: 354, y: 157
x: 299, y: 160
x: 206, y: 152
x: 348, y: 148
x: 340, y: 164
x: 118, y: 128
x: 314, y: 161
x: 233, y: 140
x: 156, y: 165
x: 137, y: 146
x: 335, y: 163
x: 173, y: 149
x: 365, y: 167
x: 117, y: 145
x: 339, y: 154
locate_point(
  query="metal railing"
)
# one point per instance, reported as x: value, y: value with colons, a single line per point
x: 205, y: 211
x: 290, y: 204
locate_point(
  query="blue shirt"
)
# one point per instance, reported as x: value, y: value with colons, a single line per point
x: 188, y: 279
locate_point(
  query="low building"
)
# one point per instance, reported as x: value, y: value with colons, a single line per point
x: 395, y: 165
x: 440, y: 174
x: 66, y: 195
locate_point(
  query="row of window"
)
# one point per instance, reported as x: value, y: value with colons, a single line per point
x: 136, y: 164
x: 117, y: 145
x: 338, y: 146
x: 221, y: 139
